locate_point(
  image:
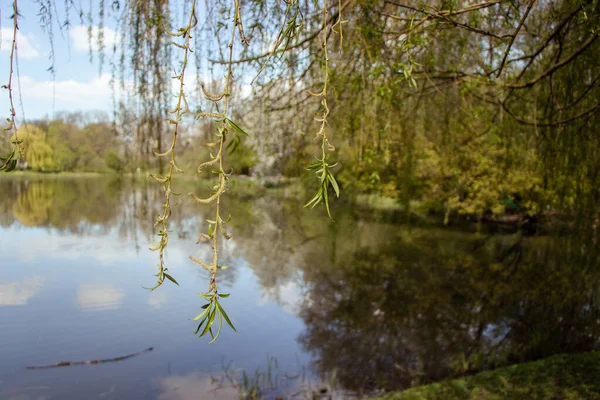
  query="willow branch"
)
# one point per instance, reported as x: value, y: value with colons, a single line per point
x: 514, y: 36
x: 587, y: 113
x: 445, y: 17
x: 12, y: 125
x: 556, y: 66
x: 301, y: 43
x: 181, y: 108
x: 547, y: 40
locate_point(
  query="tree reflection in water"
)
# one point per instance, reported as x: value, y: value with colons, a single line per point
x: 436, y: 304
x: 384, y: 305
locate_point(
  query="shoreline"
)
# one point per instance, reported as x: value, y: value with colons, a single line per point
x: 558, y: 377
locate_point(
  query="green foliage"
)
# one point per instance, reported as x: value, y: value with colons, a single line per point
x: 213, y: 311
x: 326, y: 179
x: 113, y: 161
x: 39, y: 154
x: 428, y: 104
x: 64, y: 203
x: 9, y: 162
x: 561, y: 377
x: 63, y: 146
x: 242, y: 157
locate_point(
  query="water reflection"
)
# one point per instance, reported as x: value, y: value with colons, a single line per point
x: 158, y: 299
x: 19, y: 293
x: 63, y: 204
x: 382, y: 304
x: 188, y: 387
x: 443, y: 304
x: 99, y: 297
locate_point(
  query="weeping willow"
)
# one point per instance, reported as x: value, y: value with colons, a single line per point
x: 458, y: 102
x: 140, y: 66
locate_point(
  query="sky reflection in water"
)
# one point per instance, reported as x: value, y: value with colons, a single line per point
x: 384, y: 305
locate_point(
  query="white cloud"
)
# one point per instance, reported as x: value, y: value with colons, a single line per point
x: 94, y: 94
x: 99, y: 297
x: 80, y: 38
x: 19, y: 293
x: 25, y: 48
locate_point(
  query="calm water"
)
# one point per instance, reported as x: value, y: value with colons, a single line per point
x: 363, y: 304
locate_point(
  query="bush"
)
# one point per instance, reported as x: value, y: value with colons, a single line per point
x: 112, y: 161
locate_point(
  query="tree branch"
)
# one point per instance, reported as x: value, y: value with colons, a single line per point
x: 445, y: 17
x: 556, y: 66
x: 307, y: 39
x: 514, y: 36
x: 523, y: 121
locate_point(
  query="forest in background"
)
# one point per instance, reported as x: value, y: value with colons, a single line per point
x: 91, y: 142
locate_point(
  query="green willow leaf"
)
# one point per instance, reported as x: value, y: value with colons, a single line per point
x: 236, y: 127
x: 201, y: 323
x: 326, y: 197
x: 169, y: 277
x: 11, y: 165
x: 316, y: 199
x: 211, y: 320
x: 219, y: 329
x: 226, y: 317
x: 202, y: 314
x: 335, y: 186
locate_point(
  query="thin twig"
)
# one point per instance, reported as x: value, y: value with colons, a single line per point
x: 12, y: 125
x: 514, y: 36
x: 178, y: 112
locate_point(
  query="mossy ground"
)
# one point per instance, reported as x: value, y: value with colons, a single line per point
x: 561, y: 377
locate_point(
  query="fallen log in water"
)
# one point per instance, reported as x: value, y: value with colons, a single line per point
x: 90, y: 362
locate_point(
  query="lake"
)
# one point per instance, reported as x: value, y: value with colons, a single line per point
x: 375, y: 301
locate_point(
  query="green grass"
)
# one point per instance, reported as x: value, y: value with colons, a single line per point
x: 54, y: 175
x: 561, y: 377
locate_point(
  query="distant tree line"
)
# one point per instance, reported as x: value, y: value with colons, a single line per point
x: 91, y: 142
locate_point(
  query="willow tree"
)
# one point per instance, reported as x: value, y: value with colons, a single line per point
x: 460, y: 102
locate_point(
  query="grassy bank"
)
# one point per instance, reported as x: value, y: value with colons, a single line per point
x: 54, y: 175
x: 561, y: 377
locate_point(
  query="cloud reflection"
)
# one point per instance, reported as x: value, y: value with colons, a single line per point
x: 99, y: 297
x: 19, y: 293
x: 194, y: 386
x: 287, y: 295
x: 157, y: 299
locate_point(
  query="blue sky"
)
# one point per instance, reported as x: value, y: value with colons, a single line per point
x: 78, y: 86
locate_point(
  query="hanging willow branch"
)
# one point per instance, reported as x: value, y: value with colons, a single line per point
x: 322, y: 167
x: 216, y: 227
x: 9, y: 162
x: 174, y: 118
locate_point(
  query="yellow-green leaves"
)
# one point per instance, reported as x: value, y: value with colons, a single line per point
x: 174, y: 117
x: 169, y: 277
x: 161, y: 275
x: 213, y: 311
x: 236, y: 127
x: 9, y: 162
x: 326, y: 179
